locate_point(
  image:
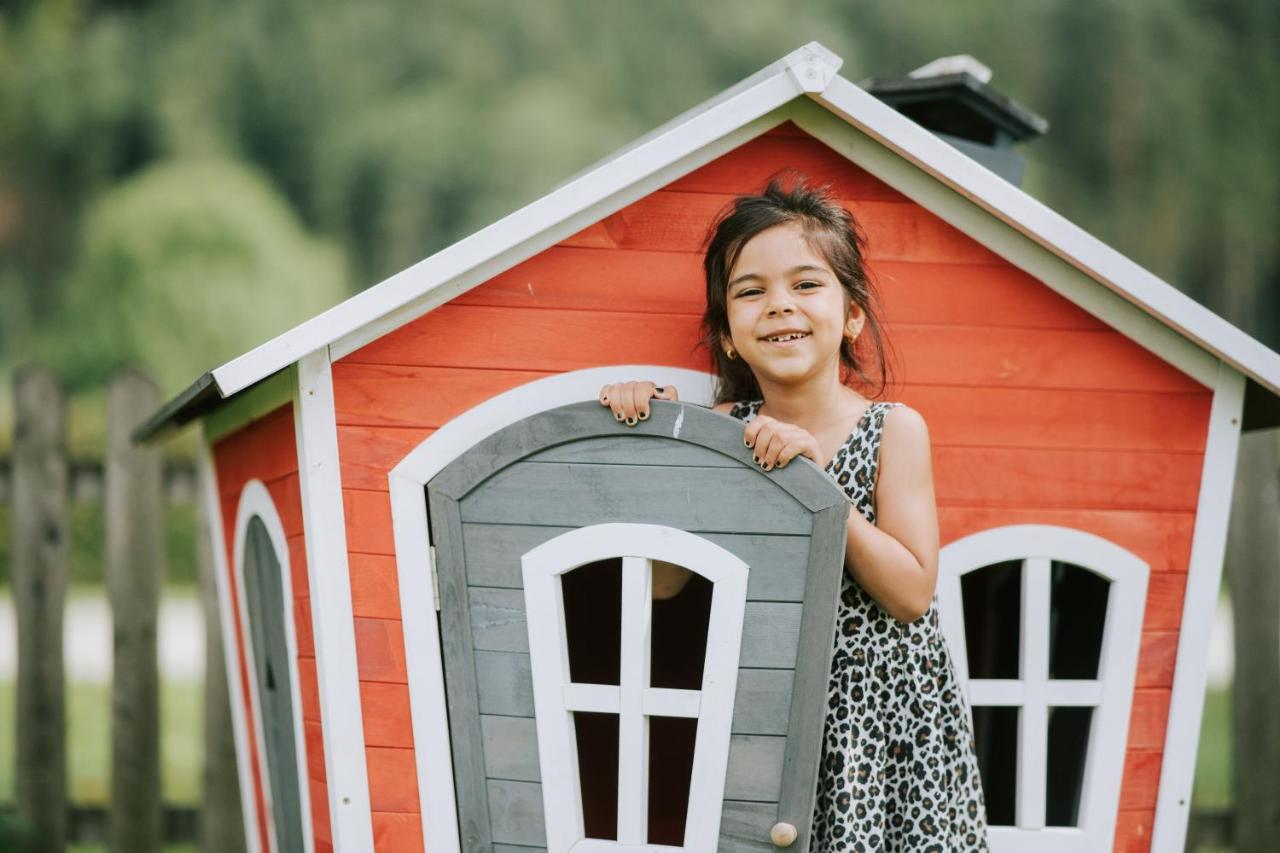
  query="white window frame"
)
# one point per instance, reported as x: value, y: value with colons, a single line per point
x: 1111, y: 694
x: 556, y: 697
x: 256, y: 502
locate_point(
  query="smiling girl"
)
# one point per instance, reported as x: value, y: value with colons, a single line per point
x: 787, y: 299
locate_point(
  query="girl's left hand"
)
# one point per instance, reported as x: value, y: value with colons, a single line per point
x: 776, y: 443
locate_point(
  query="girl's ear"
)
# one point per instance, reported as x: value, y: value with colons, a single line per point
x: 853, y: 325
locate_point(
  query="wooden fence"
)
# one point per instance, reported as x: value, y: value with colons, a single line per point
x: 39, y: 484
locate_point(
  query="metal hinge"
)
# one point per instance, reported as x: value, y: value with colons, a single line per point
x: 435, y: 576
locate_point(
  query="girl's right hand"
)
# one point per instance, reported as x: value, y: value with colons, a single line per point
x: 630, y: 400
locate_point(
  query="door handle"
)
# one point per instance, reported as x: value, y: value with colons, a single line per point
x: 783, y: 834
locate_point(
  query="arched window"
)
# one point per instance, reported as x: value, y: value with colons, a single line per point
x: 266, y: 617
x: 1044, y: 625
x: 649, y: 715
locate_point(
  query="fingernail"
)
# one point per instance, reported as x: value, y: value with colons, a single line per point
x: 767, y: 466
x: 756, y: 459
x: 604, y: 400
x: 631, y: 421
x: 747, y: 443
x: 644, y: 416
x: 617, y: 416
x: 660, y: 389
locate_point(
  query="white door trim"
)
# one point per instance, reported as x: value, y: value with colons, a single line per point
x: 407, y: 481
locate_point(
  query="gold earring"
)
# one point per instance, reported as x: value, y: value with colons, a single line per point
x: 730, y: 353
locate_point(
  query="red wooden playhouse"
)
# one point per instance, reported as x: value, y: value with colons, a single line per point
x: 1085, y: 418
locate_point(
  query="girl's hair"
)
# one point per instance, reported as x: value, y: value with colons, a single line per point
x: 832, y: 232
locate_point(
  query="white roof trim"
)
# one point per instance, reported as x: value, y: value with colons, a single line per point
x: 810, y: 70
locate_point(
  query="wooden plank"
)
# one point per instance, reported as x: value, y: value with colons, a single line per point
x: 380, y: 650
x: 747, y: 168
x: 744, y: 827
x: 808, y: 706
x: 634, y: 450
x: 504, y: 684
x: 777, y: 562
x: 385, y: 708
x: 368, y: 522
x: 517, y: 812
x: 510, y: 748
x: 368, y: 453
x: 1060, y: 479
x: 393, y: 779
x: 266, y: 452
x: 581, y: 495
x: 222, y: 818
x: 589, y: 280
x: 400, y: 395
x: 498, y: 620
x: 1133, y: 831
x: 40, y: 568
x: 755, y: 768
x: 464, y: 675
x: 397, y: 831
x: 678, y: 222
x: 1165, y: 592
x: 1141, y: 779
x: 1156, y: 659
x: 550, y: 340
x: 1149, y: 718
x: 134, y: 566
x: 374, y: 591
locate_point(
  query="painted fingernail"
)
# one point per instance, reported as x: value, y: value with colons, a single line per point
x: 631, y: 421
x: 747, y: 443
x: 767, y: 466
x: 756, y: 459
x: 644, y: 416
x: 659, y: 389
x: 617, y: 416
x: 604, y: 401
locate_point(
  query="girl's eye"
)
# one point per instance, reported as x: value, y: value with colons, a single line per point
x: 809, y: 284
x: 747, y: 291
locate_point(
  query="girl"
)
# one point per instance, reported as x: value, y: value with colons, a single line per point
x: 787, y: 298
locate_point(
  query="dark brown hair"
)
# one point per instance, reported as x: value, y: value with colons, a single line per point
x: 833, y: 233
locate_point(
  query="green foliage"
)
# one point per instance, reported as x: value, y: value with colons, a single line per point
x: 185, y: 265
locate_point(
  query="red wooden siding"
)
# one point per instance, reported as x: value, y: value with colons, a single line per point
x: 1039, y: 412
x: 267, y: 450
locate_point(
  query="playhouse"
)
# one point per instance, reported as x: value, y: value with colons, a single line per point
x: 437, y: 601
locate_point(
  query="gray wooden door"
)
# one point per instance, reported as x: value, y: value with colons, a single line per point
x: 685, y: 470
x: 264, y: 596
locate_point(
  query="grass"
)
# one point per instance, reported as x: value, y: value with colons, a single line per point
x: 1212, y: 788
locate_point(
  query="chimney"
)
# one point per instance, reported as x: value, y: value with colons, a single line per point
x: 952, y: 97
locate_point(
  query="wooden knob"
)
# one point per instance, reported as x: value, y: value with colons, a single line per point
x: 783, y: 834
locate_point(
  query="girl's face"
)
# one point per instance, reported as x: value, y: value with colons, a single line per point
x: 786, y: 309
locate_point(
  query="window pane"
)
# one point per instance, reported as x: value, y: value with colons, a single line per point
x: 679, y: 636
x: 995, y: 735
x: 593, y: 621
x: 597, y: 736
x: 1078, y: 611
x: 671, y: 742
x: 992, y: 612
x: 1068, y: 749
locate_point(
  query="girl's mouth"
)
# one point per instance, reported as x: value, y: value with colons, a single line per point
x: 788, y: 338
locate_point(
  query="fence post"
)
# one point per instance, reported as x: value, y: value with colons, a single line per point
x: 134, y: 568
x: 40, y: 557
x: 1253, y: 546
x: 221, y: 817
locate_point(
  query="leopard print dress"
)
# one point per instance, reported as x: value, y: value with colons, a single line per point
x: 898, y: 769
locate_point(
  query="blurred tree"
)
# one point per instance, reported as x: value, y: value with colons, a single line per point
x: 186, y: 265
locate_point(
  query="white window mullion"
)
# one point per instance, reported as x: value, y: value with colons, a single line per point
x: 633, y: 725
x: 1033, y: 726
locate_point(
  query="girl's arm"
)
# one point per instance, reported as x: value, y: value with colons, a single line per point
x: 896, y: 559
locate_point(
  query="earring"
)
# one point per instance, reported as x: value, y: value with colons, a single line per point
x: 730, y: 353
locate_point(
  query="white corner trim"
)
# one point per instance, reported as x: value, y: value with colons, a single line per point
x: 638, y: 545
x: 1010, y: 242
x: 1036, y: 546
x: 1204, y: 578
x: 1073, y: 244
x: 408, y: 481
x: 813, y: 67
x: 231, y: 644
x: 255, y: 501
x: 329, y: 579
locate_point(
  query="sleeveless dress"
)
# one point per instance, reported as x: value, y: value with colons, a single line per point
x: 898, y: 769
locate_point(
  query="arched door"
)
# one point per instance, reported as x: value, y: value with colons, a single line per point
x: 588, y: 713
